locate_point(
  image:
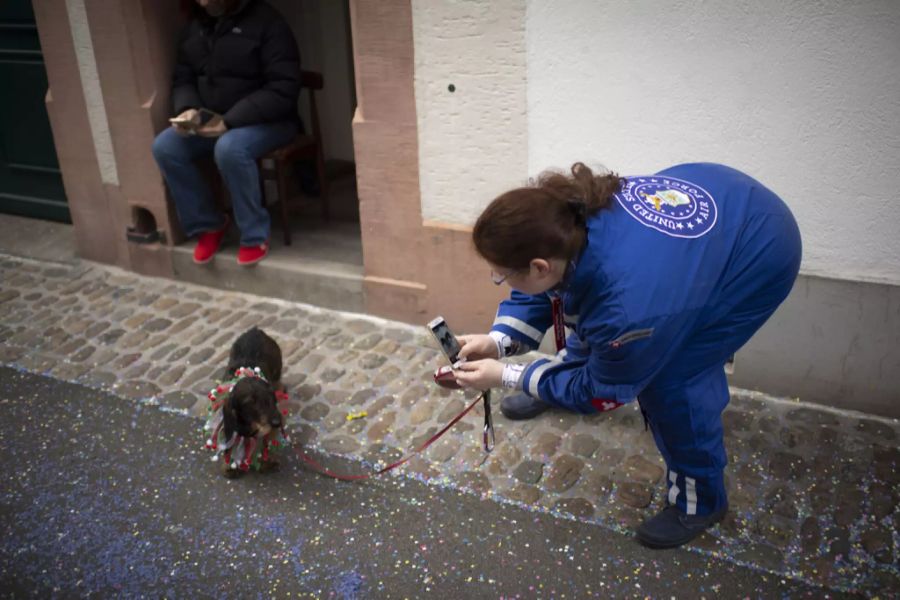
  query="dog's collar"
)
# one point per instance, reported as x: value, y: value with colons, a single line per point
x: 225, y: 387
x: 242, y: 372
x: 244, y: 448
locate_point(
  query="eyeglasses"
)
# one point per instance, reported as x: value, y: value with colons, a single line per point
x: 498, y: 279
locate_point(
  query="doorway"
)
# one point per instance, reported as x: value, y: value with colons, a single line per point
x: 324, y: 263
x: 322, y: 31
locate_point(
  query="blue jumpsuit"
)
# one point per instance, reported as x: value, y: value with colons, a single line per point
x: 678, y: 272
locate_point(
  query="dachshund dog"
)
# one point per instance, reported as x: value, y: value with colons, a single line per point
x: 250, y: 412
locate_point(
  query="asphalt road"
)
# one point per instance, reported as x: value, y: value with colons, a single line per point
x: 105, y: 497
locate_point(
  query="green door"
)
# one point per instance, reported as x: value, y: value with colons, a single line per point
x: 30, y: 180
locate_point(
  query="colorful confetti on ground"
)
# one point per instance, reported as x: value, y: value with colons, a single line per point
x: 108, y: 500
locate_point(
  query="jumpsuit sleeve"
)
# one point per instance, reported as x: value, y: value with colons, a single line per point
x: 621, y: 361
x: 524, y: 319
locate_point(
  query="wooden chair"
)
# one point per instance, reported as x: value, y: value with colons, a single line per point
x: 302, y: 147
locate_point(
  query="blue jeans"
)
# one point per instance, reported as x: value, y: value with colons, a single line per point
x: 235, y: 153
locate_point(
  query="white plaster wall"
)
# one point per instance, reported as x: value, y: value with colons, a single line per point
x: 338, y: 100
x: 804, y: 95
x: 473, y: 142
x: 322, y: 31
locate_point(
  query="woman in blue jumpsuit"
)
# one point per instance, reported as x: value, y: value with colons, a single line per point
x: 658, y: 280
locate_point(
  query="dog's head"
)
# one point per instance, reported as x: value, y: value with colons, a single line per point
x: 250, y: 409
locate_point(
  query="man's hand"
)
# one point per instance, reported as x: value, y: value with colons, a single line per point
x: 476, y: 347
x: 192, y: 115
x: 214, y: 128
x: 480, y: 374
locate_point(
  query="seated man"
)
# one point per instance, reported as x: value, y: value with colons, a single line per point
x: 235, y: 90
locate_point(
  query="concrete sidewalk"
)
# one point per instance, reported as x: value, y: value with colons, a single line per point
x: 814, y: 492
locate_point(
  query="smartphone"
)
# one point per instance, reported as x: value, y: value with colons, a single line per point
x: 441, y: 332
x: 206, y: 116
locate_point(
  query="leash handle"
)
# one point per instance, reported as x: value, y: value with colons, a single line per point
x: 488, y: 435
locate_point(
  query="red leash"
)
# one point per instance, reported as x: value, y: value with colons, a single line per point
x: 324, y: 471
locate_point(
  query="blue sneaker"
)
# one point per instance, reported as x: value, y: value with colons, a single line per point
x: 672, y: 528
x: 519, y: 407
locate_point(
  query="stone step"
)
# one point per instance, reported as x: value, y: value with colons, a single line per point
x: 286, y: 273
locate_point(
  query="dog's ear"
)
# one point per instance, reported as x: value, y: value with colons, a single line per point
x: 229, y: 417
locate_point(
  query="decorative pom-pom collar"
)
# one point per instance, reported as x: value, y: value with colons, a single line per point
x: 241, y: 452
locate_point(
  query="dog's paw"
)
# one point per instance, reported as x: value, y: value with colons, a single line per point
x: 230, y: 473
x: 269, y: 466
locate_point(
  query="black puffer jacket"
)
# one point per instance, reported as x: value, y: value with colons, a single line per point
x: 244, y: 65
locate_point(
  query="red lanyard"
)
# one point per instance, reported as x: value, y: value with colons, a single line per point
x: 559, y: 324
x: 559, y: 331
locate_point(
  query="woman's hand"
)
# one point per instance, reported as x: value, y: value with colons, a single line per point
x: 476, y: 347
x: 480, y: 374
x: 188, y: 120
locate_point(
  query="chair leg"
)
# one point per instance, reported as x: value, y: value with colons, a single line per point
x: 323, y: 183
x: 281, y: 175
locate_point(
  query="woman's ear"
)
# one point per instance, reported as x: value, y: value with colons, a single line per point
x: 540, y: 266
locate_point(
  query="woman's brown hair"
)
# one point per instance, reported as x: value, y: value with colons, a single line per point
x: 544, y: 219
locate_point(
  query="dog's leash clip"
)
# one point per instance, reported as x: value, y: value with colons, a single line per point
x: 488, y: 436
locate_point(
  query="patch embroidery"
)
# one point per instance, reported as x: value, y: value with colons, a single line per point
x: 672, y: 206
x: 605, y: 404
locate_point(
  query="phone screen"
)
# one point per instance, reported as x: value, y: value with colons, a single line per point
x: 445, y: 338
x: 206, y: 116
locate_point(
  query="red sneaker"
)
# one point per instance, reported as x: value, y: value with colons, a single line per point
x: 208, y: 244
x: 250, y: 255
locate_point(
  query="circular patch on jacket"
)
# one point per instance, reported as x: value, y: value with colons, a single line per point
x: 669, y: 205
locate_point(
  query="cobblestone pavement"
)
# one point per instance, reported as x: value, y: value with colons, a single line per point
x: 814, y: 492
